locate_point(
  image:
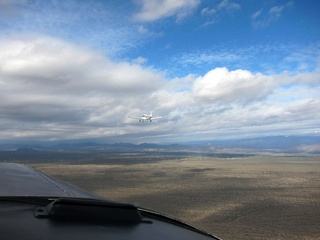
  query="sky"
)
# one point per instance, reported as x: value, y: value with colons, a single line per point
x: 74, y: 70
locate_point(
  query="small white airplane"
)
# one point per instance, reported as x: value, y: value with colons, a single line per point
x: 145, y: 117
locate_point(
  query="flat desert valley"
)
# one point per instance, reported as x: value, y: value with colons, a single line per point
x: 254, y: 197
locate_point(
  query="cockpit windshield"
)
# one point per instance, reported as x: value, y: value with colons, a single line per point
x: 206, y: 111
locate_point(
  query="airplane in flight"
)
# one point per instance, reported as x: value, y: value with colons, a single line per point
x: 145, y: 117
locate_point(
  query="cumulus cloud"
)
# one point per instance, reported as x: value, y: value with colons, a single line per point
x: 239, y: 86
x: 152, y: 10
x: 56, y: 66
x: 46, y: 81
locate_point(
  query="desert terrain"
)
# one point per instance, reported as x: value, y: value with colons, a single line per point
x: 254, y: 197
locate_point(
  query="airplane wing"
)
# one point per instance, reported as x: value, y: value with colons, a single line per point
x: 134, y: 117
x: 34, y: 205
x: 21, y: 180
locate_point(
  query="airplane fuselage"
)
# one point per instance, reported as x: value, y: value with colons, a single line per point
x: 147, y: 117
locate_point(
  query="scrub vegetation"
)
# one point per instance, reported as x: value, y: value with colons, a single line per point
x: 267, y: 196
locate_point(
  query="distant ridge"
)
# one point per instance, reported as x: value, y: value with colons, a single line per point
x: 294, y: 144
x: 274, y: 143
x: 26, y: 150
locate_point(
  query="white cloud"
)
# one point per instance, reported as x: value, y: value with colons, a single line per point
x: 275, y: 12
x: 258, y: 58
x: 140, y: 60
x: 54, y: 66
x: 262, y: 19
x: 46, y: 81
x: 214, y: 14
x: 208, y: 11
x: 228, y: 6
x: 210, y: 57
x: 239, y: 86
x: 256, y: 14
x: 153, y: 10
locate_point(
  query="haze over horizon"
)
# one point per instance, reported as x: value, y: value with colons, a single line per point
x: 213, y: 69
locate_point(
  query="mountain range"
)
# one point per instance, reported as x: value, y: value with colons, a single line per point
x: 293, y: 144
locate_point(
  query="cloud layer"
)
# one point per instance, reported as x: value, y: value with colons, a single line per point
x: 53, y: 90
x: 152, y: 10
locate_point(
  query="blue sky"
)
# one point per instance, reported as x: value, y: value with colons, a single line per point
x: 214, y: 69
